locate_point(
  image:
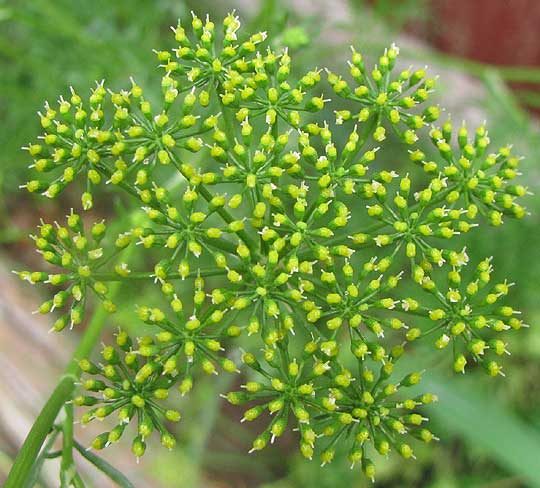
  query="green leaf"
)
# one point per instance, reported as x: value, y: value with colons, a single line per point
x: 104, y: 466
x: 486, y: 425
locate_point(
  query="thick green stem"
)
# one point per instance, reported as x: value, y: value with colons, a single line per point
x: 29, y: 451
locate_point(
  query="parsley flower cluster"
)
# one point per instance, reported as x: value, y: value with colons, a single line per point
x: 326, y: 264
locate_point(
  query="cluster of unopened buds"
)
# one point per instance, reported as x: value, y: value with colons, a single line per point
x: 308, y: 237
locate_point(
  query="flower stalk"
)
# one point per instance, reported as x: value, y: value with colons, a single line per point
x: 62, y: 393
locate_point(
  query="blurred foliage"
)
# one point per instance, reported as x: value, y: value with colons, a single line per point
x: 394, y: 13
x: 490, y: 431
x: 46, y: 46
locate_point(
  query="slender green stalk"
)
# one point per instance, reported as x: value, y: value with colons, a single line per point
x: 140, y: 275
x: 227, y: 217
x: 64, y: 389
x: 103, y: 466
x: 45, y: 454
x: 229, y: 124
x: 67, y: 464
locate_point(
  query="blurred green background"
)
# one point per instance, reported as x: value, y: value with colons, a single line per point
x: 490, y: 430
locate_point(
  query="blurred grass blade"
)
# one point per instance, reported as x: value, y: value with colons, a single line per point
x: 271, y: 17
x: 104, y: 467
x: 485, y: 425
x: 500, y: 93
x: 529, y: 98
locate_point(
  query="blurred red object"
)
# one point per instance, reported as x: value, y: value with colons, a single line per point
x: 501, y: 32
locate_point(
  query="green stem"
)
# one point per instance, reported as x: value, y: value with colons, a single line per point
x: 64, y: 389
x: 229, y: 125
x: 104, y: 466
x: 366, y: 131
x: 46, y: 453
x: 27, y: 455
x: 67, y: 463
x: 141, y: 275
x: 228, y: 218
